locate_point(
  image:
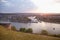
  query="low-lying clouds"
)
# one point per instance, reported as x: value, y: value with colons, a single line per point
x: 14, y: 6
x: 30, y: 6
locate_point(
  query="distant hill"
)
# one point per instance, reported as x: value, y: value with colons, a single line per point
x: 53, y: 18
x: 6, y: 34
x: 25, y: 14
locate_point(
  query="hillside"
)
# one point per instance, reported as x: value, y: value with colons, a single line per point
x: 6, y: 34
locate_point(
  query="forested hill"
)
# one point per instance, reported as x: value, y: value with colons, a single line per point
x: 22, y: 17
x: 53, y: 18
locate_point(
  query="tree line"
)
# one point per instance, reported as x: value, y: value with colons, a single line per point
x: 29, y: 30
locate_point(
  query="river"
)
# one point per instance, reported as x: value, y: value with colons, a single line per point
x: 52, y: 28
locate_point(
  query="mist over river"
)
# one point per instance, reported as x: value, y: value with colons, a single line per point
x: 37, y: 27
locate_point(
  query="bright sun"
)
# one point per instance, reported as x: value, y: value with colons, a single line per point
x: 47, y: 6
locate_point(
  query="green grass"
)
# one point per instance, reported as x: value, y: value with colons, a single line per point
x: 6, y: 34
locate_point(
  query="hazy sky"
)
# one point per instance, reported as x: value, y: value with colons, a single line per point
x: 30, y: 6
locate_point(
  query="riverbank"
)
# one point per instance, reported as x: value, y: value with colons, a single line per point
x: 6, y: 34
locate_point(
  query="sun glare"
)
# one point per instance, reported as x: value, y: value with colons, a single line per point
x: 47, y: 6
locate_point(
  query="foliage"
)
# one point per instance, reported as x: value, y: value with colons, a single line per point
x: 44, y: 32
x: 29, y: 30
x: 58, y: 35
x: 13, y: 28
x: 54, y: 35
x: 22, y: 29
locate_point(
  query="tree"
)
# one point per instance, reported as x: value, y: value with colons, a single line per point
x: 13, y: 28
x: 22, y: 29
x: 44, y: 32
x: 29, y: 30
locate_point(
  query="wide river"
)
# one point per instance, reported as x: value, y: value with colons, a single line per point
x: 53, y: 28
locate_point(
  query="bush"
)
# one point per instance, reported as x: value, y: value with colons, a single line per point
x: 22, y: 29
x: 29, y: 30
x: 44, y: 32
x: 54, y: 35
x: 58, y: 35
x: 13, y: 28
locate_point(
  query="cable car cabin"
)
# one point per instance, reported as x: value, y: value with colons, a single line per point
x: 6, y: 25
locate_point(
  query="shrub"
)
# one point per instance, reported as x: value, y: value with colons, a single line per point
x: 44, y: 32
x: 54, y: 35
x: 13, y: 28
x: 58, y: 35
x: 29, y: 30
x: 22, y: 29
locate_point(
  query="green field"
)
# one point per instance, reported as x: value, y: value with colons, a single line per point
x: 6, y: 34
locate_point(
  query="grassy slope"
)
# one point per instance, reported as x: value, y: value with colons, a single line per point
x: 12, y: 35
